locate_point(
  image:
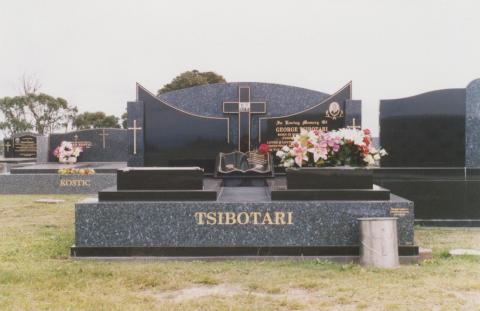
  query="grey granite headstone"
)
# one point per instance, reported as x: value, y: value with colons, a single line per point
x: 472, y: 125
x: 42, y: 149
x: 99, y: 145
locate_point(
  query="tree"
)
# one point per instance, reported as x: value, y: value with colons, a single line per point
x: 48, y: 113
x: 124, y: 120
x: 191, y: 78
x: 99, y: 119
x: 14, y: 115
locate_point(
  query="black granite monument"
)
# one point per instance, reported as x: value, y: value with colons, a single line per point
x: 191, y: 127
x: 21, y: 145
x: 433, y: 143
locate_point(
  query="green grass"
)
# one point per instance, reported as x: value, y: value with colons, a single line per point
x: 36, y: 273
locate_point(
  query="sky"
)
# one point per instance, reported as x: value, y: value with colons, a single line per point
x: 92, y: 52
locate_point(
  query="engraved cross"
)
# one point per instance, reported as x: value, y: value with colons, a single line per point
x: 103, y: 134
x: 135, y: 129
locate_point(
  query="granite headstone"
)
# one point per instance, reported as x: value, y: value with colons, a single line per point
x: 99, y: 145
x: 190, y: 127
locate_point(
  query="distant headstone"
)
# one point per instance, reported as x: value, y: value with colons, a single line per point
x: 426, y: 130
x: 21, y: 145
x: 99, y: 145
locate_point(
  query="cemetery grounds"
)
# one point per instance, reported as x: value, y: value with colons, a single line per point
x: 36, y: 273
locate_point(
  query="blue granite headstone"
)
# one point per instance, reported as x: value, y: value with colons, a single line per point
x: 472, y: 125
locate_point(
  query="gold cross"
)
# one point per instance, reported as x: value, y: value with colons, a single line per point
x: 135, y: 128
x: 103, y: 136
x: 353, y: 126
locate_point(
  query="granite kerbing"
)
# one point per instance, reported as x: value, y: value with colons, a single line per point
x: 472, y: 125
x: 55, y: 183
x: 173, y: 224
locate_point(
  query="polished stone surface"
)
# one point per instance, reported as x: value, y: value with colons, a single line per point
x: 376, y: 193
x: 202, y: 129
x: 329, y: 178
x: 160, y: 178
x: 472, y: 129
x: 177, y: 138
x: 426, y: 130
x: 176, y: 224
x: 99, y: 145
x: 52, y: 168
x: 42, y: 149
x: 54, y: 183
x: 21, y: 145
x: 442, y: 196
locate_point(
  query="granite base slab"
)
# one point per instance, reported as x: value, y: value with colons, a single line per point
x: 154, y: 226
x: 55, y: 183
x: 375, y: 194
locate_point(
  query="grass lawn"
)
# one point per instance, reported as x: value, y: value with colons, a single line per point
x: 36, y: 273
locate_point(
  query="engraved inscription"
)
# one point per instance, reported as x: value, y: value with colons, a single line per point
x: 244, y: 218
x: 75, y: 183
x: 399, y: 211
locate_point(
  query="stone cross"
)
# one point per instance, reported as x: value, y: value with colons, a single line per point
x: 244, y: 108
x: 103, y: 134
x: 135, y: 128
x: 353, y: 126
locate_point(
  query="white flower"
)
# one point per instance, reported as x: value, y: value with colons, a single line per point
x: 280, y: 154
x: 286, y: 149
x: 376, y: 157
x: 383, y: 152
x: 369, y: 159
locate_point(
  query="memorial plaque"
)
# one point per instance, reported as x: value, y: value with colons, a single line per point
x: 325, y: 116
x: 25, y: 146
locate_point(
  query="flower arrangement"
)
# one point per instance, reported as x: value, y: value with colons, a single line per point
x: 79, y: 171
x: 351, y: 147
x: 67, y: 152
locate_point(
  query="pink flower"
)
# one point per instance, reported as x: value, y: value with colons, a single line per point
x: 300, y: 155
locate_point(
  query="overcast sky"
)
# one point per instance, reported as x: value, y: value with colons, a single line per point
x: 92, y: 52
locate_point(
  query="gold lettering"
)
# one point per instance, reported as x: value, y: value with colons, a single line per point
x: 219, y: 218
x: 290, y: 218
x: 242, y: 218
x: 246, y: 218
x: 280, y: 218
x: 267, y: 220
x: 199, y: 216
x: 211, y: 219
x: 255, y: 217
x: 75, y: 183
x: 230, y: 218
